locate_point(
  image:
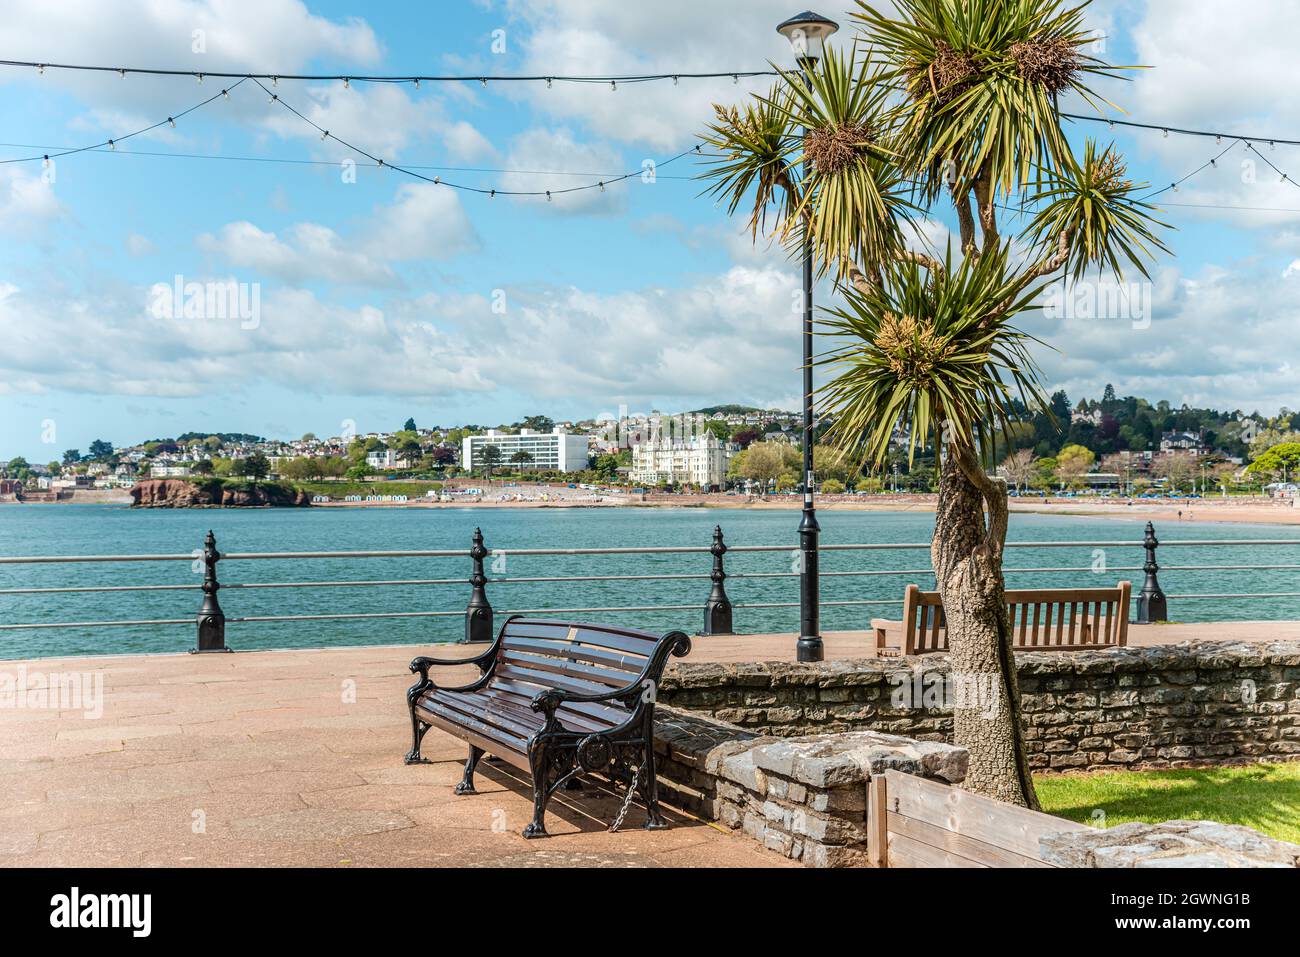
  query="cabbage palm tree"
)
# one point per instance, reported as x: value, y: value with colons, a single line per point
x: 941, y: 102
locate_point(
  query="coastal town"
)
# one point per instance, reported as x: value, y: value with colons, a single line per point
x: 1111, y: 446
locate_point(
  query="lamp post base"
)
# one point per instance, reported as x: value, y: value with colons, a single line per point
x: 809, y: 648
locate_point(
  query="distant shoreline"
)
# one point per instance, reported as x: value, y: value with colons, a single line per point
x: 1248, y: 511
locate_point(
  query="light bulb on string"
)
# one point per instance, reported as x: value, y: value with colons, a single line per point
x: 548, y: 82
x: 112, y: 145
x: 199, y: 77
x: 121, y: 73
x: 40, y: 68
x: 171, y: 122
x: 325, y: 134
x: 226, y: 94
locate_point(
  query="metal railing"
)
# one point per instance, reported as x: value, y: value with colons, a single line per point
x: 718, y: 609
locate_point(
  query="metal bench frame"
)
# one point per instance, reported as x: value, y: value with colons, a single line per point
x: 555, y: 754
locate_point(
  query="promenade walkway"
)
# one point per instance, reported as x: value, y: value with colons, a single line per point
x: 294, y: 757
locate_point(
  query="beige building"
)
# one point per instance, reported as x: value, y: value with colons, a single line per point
x: 700, y: 461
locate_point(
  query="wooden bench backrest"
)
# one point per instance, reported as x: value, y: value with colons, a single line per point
x: 1039, y: 618
x: 536, y: 654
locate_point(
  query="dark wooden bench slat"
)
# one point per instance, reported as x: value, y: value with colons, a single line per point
x: 564, y: 666
x: 623, y: 661
x: 512, y: 723
x: 521, y: 706
x: 616, y: 714
x: 543, y: 679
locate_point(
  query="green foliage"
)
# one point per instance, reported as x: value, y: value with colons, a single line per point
x: 926, y: 348
x: 1092, y: 202
x: 1280, y: 460
x: 832, y: 486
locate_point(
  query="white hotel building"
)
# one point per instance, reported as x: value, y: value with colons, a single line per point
x: 557, y: 451
x: 699, y: 461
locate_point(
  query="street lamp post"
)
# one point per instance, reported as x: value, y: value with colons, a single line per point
x: 807, y: 33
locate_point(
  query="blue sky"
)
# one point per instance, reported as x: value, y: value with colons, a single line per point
x: 377, y: 296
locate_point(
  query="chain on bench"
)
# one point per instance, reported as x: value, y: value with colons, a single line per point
x: 627, y: 801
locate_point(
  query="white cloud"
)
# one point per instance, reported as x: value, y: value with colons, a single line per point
x: 1223, y: 338
x: 27, y: 201
x: 307, y: 251
x: 591, y: 37
x: 423, y: 222
x: 464, y: 142
x: 731, y: 337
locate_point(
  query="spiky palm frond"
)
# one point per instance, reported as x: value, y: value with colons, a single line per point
x: 926, y: 348
x: 1096, y: 205
x: 754, y: 146
x: 852, y: 190
x: 981, y: 79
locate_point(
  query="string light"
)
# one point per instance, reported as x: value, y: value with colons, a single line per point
x: 392, y: 78
x: 122, y: 74
x: 226, y: 94
x: 112, y: 143
x: 490, y: 193
x: 199, y: 77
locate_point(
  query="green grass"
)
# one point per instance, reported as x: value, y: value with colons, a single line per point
x: 1263, y: 796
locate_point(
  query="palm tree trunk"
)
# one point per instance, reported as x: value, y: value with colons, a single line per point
x: 967, y: 556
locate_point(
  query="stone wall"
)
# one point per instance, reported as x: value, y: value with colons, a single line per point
x: 1200, y: 702
x: 804, y: 797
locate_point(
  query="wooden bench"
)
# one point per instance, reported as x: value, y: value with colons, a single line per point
x: 1065, y: 619
x: 556, y: 699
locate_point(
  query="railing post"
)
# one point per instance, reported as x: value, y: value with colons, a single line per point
x: 211, y: 619
x: 478, y: 614
x: 1152, y: 606
x: 717, y: 610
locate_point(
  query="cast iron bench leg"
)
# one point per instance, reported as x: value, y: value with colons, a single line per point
x: 466, y: 785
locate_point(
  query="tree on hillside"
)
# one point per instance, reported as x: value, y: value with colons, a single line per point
x: 942, y: 101
x: 71, y: 456
x: 409, y: 426
x: 100, y: 450
x: 255, y: 467
x: 522, y: 459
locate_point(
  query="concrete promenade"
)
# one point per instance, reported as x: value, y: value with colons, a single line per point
x: 294, y: 758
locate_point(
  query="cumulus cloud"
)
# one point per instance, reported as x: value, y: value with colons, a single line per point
x: 1222, y: 337
x: 729, y: 337
x: 423, y: 222
x: 27, y: 201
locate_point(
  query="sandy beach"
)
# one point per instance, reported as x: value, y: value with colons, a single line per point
x: 1254, y: 510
